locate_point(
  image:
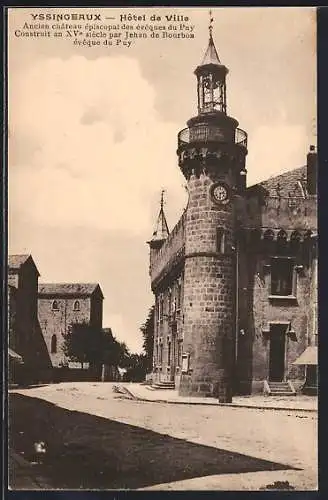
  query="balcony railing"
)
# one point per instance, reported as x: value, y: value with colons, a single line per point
x: 206, y: 133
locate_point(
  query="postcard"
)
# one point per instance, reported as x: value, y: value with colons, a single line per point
x: 162, y: 248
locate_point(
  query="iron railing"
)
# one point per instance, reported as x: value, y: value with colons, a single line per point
x: 208, y: 133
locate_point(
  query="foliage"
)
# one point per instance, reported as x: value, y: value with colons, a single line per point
x: 84, y: 343
x: 137, y: 368
x: 114, y: 353
x: 147, y: 330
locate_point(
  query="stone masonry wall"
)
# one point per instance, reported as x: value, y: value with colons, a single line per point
x: 208, y: 290
x: 161, y: 259
x: 54, y: 322
x: 29, y: 342
x: 266, y: 310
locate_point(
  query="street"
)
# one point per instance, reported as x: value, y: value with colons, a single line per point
x: 212, y: 447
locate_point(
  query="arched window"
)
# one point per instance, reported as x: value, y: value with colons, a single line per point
x: 281, y: 246
x: 76, y: 306
x: 53, y: 344
x: 295, y: 239
x: 268, y: 235
x: 55, y: 306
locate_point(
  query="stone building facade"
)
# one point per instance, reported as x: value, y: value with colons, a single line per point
x: 24, y: 333
x: 235, y: 282
x: 62, y: 304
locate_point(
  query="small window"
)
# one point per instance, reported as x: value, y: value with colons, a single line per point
x: 55, y: 305
x: 76, y: 306
x: 161, y: 308
x: 53, y: 344
x: 282, y: 277
x: 179, y: 291
x: 220, y: 240
x: 169, y: 302
x: 179, y: 353
x: 168, y: 353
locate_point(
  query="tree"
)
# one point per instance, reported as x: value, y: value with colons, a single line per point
x: 147, y: 330
x: 136, y: 368
x: 83, y: 343
x: 114, y: 353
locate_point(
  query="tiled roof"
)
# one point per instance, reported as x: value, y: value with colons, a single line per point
x: 15, y: 262
x: 81, y: 289
x: 211, y: 55
x: 291, y: 183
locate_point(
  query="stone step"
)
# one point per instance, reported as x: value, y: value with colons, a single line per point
x: 286, y: 389
x: 282, y: 393
x: 280, y: 389
x: 164, y: 385
x: 280, y: 386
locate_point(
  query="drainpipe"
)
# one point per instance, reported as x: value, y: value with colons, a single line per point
x: 237, y: 309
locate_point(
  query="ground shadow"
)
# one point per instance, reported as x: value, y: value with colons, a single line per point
x: 89, y: 452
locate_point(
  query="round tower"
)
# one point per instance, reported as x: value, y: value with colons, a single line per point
x: 211, y: 153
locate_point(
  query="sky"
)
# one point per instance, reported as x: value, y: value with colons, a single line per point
x: 93, y: 136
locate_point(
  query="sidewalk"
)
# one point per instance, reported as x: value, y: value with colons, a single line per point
x: 292, y: 403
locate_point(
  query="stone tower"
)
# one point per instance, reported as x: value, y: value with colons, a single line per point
x: 211, y: 153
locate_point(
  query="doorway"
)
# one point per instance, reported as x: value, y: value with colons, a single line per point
x: 277, y: 353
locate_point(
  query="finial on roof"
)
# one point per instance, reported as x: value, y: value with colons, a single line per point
x: 161, y: 229
x: 210, y: 27
x: 211, y: 55
x: 162, y: 199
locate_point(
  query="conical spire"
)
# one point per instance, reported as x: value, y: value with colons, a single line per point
x: 161, y: 229
x: 211, y: 55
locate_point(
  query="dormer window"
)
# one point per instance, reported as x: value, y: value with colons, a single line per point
x: 55, y: 305
x: 76, y: 306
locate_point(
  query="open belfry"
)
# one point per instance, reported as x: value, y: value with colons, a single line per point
x: 235, y: 282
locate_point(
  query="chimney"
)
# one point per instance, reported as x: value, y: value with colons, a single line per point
x: 311, y: 170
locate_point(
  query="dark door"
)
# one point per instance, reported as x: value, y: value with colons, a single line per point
x: 277, y: 354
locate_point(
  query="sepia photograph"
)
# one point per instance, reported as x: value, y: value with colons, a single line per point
x: 162, y: 278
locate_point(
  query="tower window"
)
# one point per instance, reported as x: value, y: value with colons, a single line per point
x: 179, y: 352
x: 179, y: 291
x: 161, y: 308
x: 76, y: 306
x: 282, y: 277
x: 220, y: 240
x: 169, y: 302
x: 168, y: 353
x: 53, y: 344
x: 55, y: 305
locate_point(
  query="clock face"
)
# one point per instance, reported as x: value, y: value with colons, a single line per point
x: 220, y: 193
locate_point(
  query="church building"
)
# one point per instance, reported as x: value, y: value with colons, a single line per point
x: 235, y: 281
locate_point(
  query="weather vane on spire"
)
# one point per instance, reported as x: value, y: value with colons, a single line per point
x: 210, y: 27
x: 162, y: 198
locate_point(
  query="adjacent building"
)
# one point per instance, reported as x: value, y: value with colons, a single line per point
x: 61, y: 305
x: 235, y: 282
x: 25, y: 338
x: 39, y: 317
